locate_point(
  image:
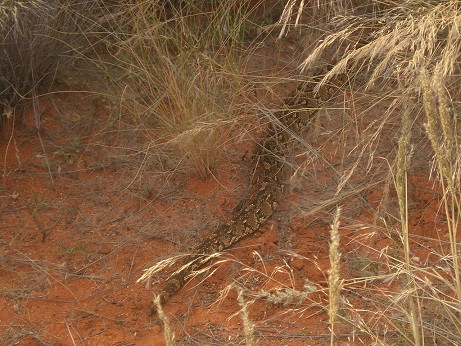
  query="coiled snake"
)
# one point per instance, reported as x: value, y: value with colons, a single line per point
x: 266, y: 187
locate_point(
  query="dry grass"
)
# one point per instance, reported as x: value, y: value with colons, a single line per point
x: 411, y: 49
x: 169, y: 334
x: 335, y: 282
x: 248, y: 326
x: 407, y: 55
x: 180, y: 83
x: 38, y: 41
x: 182, y: 77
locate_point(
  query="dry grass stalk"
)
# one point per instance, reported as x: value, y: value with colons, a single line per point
x: 335, y: 283
x: 287, y: 13
x: 170, y: 261
x: 248, y: 326
x: 14, y: 10
x: 322, y: 11
x: 441, y: 130
x: 403, y: 163
x: 169, y: 334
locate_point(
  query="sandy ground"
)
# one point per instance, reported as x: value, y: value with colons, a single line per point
x: 81, y: 221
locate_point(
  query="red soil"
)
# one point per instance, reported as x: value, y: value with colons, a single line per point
x: 72, y: 247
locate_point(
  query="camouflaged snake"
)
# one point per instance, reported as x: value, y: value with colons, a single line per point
x: 266, y: 187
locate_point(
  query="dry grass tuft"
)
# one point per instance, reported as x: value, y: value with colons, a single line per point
x: 38, y: 41
x: 182, y: 77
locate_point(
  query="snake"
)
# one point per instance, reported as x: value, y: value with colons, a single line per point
x: 266, y: 186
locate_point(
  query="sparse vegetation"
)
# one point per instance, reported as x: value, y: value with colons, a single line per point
x: 184, y: 82
x: 39, y: 40
x: 413, y: 47
x: 179, y: 75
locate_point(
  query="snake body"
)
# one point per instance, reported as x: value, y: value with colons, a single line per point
x: 266, y: 187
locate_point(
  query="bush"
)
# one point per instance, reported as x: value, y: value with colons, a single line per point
x: 38, y: 39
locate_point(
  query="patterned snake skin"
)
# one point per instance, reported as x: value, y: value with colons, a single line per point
x: 266, y: 187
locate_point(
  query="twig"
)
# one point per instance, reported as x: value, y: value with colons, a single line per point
x: 8, y: 145
x: 40, y: 227
x: 94, y: 168
x: 38, y: 127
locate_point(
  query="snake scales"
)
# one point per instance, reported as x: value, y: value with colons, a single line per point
x: 266, y: 187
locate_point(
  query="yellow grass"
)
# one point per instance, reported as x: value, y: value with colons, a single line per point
x: 180, y: 83
x: 413, y: 50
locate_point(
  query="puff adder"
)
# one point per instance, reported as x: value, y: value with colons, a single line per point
x: 266, y: 187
